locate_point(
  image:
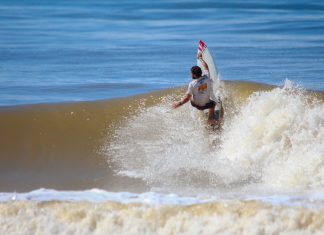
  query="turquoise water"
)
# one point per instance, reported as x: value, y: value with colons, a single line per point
x: 59, y: 51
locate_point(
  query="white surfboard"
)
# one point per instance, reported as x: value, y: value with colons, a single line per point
x: 213, y: 72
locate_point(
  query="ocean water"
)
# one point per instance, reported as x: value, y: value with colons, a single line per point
x: 58, y: 51
x: 89, y: 143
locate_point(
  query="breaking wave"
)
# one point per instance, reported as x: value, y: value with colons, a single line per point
x: 271, y: 140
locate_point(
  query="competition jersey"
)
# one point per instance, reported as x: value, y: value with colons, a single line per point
x: 200, y: 89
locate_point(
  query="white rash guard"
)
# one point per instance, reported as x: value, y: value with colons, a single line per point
x: 200, y: 89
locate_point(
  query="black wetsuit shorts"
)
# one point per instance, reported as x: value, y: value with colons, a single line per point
x: 210, y: 104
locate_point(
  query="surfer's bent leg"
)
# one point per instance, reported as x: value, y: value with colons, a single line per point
x: 211, y: 106
x: 211, y: 111
x: 211, y: 116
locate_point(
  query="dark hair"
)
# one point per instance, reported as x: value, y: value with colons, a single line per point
x: 196, y: 70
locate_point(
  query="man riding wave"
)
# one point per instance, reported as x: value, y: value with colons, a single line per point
x: 200, y: 90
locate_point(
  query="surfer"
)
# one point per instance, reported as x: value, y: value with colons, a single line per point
x: 199, y: 91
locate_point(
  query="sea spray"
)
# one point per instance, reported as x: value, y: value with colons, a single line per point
x: 273, y: 141
x: 279, y: 134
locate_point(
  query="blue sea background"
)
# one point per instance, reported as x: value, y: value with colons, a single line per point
x: 62, y: 51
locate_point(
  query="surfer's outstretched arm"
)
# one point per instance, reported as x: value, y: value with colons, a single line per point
x: 184, y: 100
x: 203, y: 63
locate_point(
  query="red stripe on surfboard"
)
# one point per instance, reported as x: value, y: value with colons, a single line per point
x: 201, y: 46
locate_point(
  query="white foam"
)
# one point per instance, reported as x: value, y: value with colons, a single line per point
x: 309, y: 199
x: 98, y: 195
x: 83, y: 217
x: 273, y: 142
x: 278, y: 138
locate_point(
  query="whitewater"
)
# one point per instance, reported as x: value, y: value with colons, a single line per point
x: 264, y: 170
x: 273, y: 140
x: 89, y: 143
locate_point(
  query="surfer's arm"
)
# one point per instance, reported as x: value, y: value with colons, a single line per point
x: 203, y: 63
x: 184, y: 100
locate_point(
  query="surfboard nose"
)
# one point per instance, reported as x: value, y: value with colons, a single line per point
x: 201, y: 46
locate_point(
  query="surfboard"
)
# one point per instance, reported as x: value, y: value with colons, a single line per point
x: 214, y: 76
x: 213, y: 72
